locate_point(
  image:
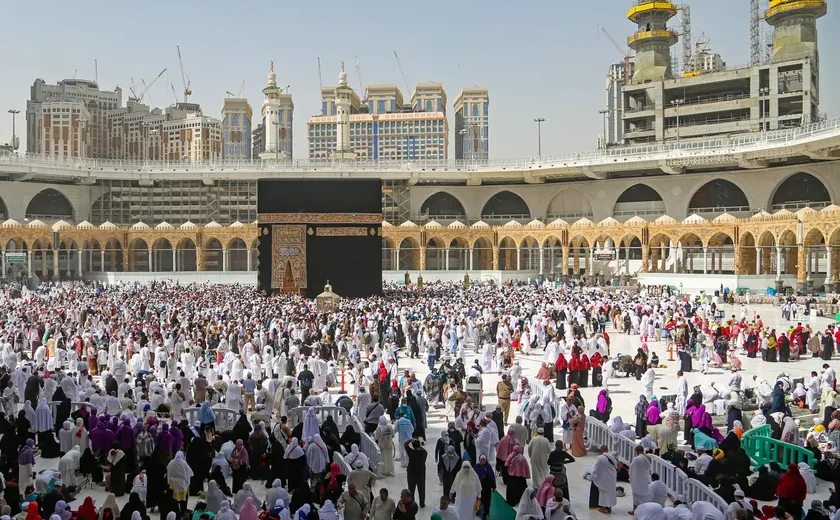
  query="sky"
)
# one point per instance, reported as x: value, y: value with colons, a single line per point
x: 539, y: 58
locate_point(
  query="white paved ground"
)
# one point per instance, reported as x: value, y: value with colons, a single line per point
x: 624, y: 392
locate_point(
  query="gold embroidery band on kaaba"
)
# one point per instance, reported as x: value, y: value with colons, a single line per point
x: 342, y: 231
x: 319, y: 218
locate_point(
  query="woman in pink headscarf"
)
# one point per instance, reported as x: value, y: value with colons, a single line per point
x: 518, y: 473
x: 546, y: 491
x: 701, y: 419
x: 248, y: 511
x: 653, y: 412
x: 503, y: 451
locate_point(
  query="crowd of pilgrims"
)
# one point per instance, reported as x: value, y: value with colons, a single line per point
x: 100, y: 378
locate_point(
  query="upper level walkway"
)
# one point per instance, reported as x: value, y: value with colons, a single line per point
x: 818, y: 141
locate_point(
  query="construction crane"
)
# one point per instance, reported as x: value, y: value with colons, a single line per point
x: 685, y: 36
x: 405, y: 79
x: 239, y: 93
x: 361, y: 85
x: 320, y: 81
x: 139, y: 97
x: 625, y: 56
x: 184, y: 79
x: 174, y: 93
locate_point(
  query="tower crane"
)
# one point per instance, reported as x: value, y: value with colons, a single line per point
x: 402, y: 73
x: 625, y: 56
x: 320, y: 81
x: 184, y: 79
x: 359, y: 74
x: 238, y: 93
x: 139, y: 97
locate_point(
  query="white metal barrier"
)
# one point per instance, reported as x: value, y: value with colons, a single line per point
x: 369, y: 447
x: 338, y: 458
x: 225, y: 417
x: 624, y: 448
x: 340, y: 415
x: 677, y: 482
x: 694, y: 490
x: 598, y: 434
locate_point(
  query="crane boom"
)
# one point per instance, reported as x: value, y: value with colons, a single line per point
x: 147, y: 87
x: 614, y: 43
x: 320, y: 81
x: 405, y: 80
x: 241, y: 86
x: 184, y: 80
x: 359, y: 74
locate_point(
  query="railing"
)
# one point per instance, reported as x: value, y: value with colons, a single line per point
x: 369, y: 447
x: 747, y: 142
x: 338, y: 458
x: 799, y: 205
x: 720, y: 209
x: 699, y: 100
x: 340, y: 415
x: 677, y: 482
x: 519, y: 217
x: 694, y: 490
x: 569, y: 216
x: 763, y: 449
x: 225, y: 417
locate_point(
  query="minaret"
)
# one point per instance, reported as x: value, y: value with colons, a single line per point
x: 270, y: 108
x: 795, y: 29
x: 652, y: 40
x: 343, y: 100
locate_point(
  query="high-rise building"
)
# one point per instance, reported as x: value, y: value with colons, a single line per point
x: 61, y: 129
x: 615, y: 100
x: 711, y: 99
x: 381, y: 133
x: 194, y: 137
x: 258, y: 140
x: 84, y: 92
x: 472, y: 129
x: 278, y: 117
x: 236, y: 129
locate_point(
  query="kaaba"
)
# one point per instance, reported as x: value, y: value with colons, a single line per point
x: 314, y: 232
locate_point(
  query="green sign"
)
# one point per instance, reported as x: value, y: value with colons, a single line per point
x: 15, y: 258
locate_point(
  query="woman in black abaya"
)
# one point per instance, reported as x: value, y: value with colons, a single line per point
x: 199, y: 457
x: 63, y: 411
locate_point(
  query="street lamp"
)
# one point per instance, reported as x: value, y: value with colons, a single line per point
x: 539, y: 121
x: 604, y: 113
x: 14, y: 136
x: 765, y: 107
x: 676, y: 104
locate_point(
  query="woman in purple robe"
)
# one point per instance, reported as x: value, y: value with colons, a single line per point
x: 164, y: 443
x: 688, y: 423
x: 653, y: 411
x: 702, y: 420
x: 125, y: 436
x: 97, y: 441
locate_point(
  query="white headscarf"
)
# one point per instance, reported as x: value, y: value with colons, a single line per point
x: 294, y: 451
x: 528, y: 506
x: 327, y: 511
x: 316, y: 454
x: 466, y: 483
x: 703, y: 510
x: 215, y: 497
x: 225, y: 512
x: 277, y: 492
x: 179, y: 473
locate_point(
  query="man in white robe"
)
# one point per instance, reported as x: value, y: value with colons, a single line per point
x: 650, y: 511
x: 647, y: 380
x: 538, y: 451
x: 813, y: 394
x: 484, y: 441
x: 682, y: 391
x: 763, y: 390
x: 604, y: 480
x: 640, y: 477
x: 657, y: 490
x: 487, y: 357
x: 233, y: 396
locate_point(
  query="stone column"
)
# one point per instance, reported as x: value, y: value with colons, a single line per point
x: 101, y: 260
x: 2, y: 264
x: 199, y: 259
x: 551, y: 260
x: 446, y: 260
x: 151, y: 261
x: 471, y: 259
x: 645, y: 259
x: 564, y: 269
x: 175, y: 259
x: 495, y: 258
x: 809, y: 263
x: 576, y: 262
x: 829, y: 274
x: 676, y: 259
x: 758, y: 259
x: 422, y: 258
x: 542, y: 261
x: 81, y: 255
x: 29, y: 261
x: 224, y: 259
x: 55, y: 274
x: 518, y: 260
x: 249, y: 252
x: 801, y: 268
x: 705, y: 259
x: 737, y: 269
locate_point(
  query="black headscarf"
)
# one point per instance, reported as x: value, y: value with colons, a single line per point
x: 242, y: 429
x: 134, y: 504
x: 350, y: 437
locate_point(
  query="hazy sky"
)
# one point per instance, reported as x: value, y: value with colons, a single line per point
x: 539, y: 58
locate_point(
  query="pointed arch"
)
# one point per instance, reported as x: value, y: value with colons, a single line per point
x: 442, y: 206
x: 798, y: 191
x: 639, y: 199
x: 505, y: 206
x: 50, y: 204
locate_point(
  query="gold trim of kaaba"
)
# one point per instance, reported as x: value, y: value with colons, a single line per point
x: 346, y: 231
x: 319, y: 218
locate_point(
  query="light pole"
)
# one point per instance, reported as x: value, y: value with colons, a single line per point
x: 604, y: 113
x: 764, y: 108
x: 676, y: 104
x: 539, y: 121
x: 14, y: 136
